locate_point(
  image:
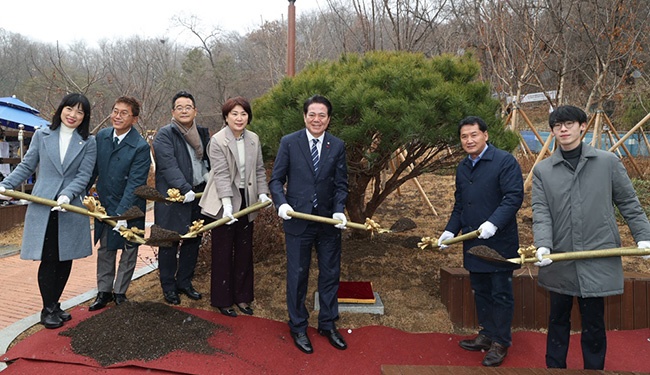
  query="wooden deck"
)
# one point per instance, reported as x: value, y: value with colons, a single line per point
x: 631, y: 310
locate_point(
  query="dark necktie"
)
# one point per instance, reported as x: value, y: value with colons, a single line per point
x: 314, y: 160
x: 115, y: 141
x: 314, y: 155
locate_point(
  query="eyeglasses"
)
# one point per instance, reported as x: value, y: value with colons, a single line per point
x: 180, y: 108
x: 567, y: 124
x: 120, y: 113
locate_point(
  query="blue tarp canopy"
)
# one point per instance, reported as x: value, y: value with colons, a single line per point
x: 14, y: 112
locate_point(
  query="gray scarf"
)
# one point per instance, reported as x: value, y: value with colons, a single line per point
x: 192, y: 137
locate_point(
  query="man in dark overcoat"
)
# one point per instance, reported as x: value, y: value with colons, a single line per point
x: 182, y: 163
x: 123, y: 162
x: 489, y: 192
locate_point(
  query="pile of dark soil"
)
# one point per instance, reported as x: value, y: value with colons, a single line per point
x: 141, y: 330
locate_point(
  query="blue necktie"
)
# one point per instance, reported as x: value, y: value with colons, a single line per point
x: 314, y: 160
x: 314, y: 155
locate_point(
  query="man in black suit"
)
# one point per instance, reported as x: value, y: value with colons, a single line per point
x: 313, y: 165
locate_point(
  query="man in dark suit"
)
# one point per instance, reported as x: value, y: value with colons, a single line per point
x: 313, y: 165
x: 123, y: 162
x: 182, y: 163
x: 489, y: 192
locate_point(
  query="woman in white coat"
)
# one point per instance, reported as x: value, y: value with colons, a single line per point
x: 64, y: 154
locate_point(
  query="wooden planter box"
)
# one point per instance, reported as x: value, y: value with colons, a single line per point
x: 631, y: 310
x: 11, y: 215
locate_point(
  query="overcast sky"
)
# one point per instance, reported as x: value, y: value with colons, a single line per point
x: 66, y: 22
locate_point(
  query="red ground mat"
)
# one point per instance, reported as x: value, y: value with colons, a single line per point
x: 255, y: 346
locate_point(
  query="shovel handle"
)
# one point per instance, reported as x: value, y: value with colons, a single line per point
x: 325, y: 220
x: 252, y: 208
x: 464, y: 237
x: 587, y: 254
x: 67, y: 207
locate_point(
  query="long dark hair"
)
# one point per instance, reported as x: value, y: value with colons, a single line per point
x: 71, y: 100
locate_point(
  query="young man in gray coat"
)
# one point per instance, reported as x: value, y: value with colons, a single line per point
x: 574, y: 193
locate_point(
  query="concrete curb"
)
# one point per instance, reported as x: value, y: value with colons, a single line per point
x: 9, y: 334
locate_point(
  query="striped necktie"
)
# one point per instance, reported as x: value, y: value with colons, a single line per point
x: 314, y: 155
x: 314, y: 160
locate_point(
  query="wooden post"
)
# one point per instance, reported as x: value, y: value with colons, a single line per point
x: 529, y: 179
x: 401, y: 156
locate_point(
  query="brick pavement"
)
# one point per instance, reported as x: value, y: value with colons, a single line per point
x: 19, y: 295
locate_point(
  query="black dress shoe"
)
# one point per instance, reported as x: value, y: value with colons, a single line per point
x: 190, y: 292
x: 495, y: 355
x: 245, y: 309
x: 50, y: 318
x: 172, y: 297
x: 103, y: 298
x: 334, y: 338
x: 64, y: 315
x: 302, y: 342
x: 120, y: 298
x: 480, y: 342
x: 227, y: 311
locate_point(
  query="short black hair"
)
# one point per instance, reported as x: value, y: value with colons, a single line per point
x: 183, y: 94
x: 320, y: 100
x: 72, y: 100
x: 567, y: 113
x: 473, y: 120
x: 131, y: 102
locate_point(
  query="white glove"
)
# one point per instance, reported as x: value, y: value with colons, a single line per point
x: 341, y: 217
x: 446, y: 235
x: 543, y: 262
x: 3, y: 197
x: 189, y: 197
x: 487, y: 230
x: 62, y: 200
x: 283, y: 209
x: 227, y: 212
x: 120, y: 224
x: 264, y: 198
x: 644, y: 245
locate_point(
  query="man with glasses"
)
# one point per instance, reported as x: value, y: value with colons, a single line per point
x: 573, y: 198
x: 123, y: 162
x: 182, y: 163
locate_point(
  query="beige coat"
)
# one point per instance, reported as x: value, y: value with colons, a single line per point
x: 224, y: 176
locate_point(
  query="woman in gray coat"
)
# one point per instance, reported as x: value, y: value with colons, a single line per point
x: 64, y: 154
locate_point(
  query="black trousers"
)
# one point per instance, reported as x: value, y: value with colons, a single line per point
x: 328, y: 251
x: 231, y: 279
x: 594, y: 339
x: 53, y: 274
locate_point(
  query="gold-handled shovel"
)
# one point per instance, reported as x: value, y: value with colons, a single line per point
x: 162, y: 237
x: 492, y: 255
x: 132, y: 213
x: 432, y: 242
x: 151, y: 194
x: 368, y: 225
